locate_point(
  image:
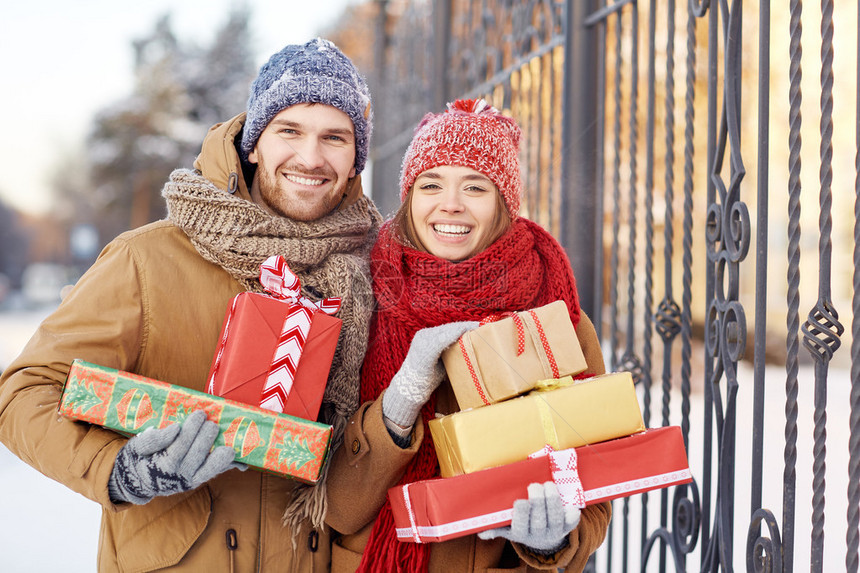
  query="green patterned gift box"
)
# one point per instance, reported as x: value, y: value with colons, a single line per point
x: 129, y: 403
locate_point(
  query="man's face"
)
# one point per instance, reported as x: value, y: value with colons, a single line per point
x: 304, y: 158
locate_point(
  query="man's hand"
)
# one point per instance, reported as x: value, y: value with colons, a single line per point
x: 169, y: 460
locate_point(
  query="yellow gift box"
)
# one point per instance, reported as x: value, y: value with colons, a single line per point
x: 572, y: 415
x: 505, y: 358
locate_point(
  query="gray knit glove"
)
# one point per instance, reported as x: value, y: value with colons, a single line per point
x: 169, y: 460
x: 421, y: 372
x: 541, y: 522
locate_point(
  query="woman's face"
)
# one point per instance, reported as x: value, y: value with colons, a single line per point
x: 453, y: 211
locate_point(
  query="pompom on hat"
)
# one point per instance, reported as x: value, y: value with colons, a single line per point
x: 316, y: 72
x: 470, y: 133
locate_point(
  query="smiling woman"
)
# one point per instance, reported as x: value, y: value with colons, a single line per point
x: 455, y: 253
x: 460, y: 169
x: 455, y: 212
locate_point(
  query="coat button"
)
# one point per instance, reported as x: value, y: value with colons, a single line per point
x: 356, y: 446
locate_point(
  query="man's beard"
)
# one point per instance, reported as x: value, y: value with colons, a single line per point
x: 278, y: 200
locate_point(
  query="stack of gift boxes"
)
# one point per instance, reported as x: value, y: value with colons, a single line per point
x: 264, y: 389
x: 524, y: 419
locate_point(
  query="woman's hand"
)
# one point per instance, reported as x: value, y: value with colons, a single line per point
x: 541, y: 522
x: 421, y: 372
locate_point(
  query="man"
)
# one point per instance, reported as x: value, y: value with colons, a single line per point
x: 282, y: 180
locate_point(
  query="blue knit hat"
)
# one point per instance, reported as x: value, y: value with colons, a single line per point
x: 317, y: 72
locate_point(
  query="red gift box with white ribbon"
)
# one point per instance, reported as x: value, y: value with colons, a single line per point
x: 275, y: 350
x: 446, y: 508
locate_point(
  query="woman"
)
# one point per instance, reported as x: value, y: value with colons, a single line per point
x: 454, y: 253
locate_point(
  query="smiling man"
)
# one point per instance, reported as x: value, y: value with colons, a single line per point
x: 305, y: 158
x: 281, y: 179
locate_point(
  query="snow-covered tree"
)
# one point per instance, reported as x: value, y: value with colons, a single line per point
x: 180, y: 91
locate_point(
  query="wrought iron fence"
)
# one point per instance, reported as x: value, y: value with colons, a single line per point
x: 642, y: 121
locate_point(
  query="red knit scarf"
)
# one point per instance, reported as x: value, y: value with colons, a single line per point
x: 525, y: 268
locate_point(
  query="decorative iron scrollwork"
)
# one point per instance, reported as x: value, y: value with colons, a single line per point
x: 822, y: 330
x: 667, y: 319
x: 630, y: 363
x: 687, y: 517
x: 764, y: 554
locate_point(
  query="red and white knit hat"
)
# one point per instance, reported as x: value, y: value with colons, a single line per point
x: 470, y: 133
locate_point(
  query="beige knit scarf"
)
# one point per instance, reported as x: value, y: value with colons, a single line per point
x: 330, y: 257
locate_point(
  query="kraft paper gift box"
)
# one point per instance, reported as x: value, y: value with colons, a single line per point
x: 446, y: 508
x: 129, y: 403
x: 249, y: 337
x: 584, y: 412
x: 502, y: 359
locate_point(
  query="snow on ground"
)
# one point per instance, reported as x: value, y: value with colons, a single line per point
x: 46, y: 527
x: 43, y: 525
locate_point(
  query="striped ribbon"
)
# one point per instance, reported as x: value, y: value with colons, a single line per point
x: 277, y: 278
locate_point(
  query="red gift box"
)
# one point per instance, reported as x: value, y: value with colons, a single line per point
x: 255, y: 330
x: 445, y: 508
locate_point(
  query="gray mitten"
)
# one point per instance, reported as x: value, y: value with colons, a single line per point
x: 541, y: 522
x: 169, y: 460
x: 421, y: 372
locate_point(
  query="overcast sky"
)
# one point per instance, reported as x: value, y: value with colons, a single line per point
x: 62, y: 61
